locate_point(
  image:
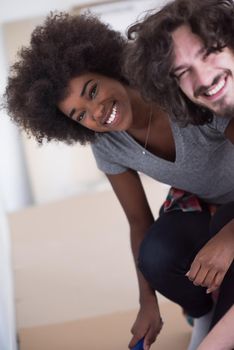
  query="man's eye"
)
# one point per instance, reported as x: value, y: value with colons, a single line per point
x: 93, y: 91
x: 81, y: 116
x: 181, y: 74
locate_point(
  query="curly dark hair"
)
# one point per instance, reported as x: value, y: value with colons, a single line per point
x: 64, y: 47
x: 150, y: 53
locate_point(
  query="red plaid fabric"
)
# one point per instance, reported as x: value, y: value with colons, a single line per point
x: 181, y: 200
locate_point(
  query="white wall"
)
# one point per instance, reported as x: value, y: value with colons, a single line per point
x: 14, y: 184
x: 7, y: 308
x: 12, y: 10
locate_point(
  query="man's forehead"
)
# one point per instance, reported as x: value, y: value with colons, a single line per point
x: 185, y: 41
x: 181, y: 33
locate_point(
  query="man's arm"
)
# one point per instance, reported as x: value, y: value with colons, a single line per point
x: 211, y: 263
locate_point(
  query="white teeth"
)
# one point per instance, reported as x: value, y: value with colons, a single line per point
x: 216, y: 89
x: 112, y: 116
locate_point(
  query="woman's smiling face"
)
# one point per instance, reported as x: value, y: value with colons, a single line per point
x: 97, y: 102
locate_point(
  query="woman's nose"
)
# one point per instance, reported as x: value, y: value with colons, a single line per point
x: 98, y: 112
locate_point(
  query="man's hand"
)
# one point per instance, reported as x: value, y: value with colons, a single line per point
x: 148, y: 325
x: 213, y: 260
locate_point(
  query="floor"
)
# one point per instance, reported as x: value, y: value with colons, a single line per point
x: 63, y: 302
x: 111, y: 332
x: 72, y: 260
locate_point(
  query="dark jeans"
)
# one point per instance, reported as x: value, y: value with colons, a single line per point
x: 170, y: 247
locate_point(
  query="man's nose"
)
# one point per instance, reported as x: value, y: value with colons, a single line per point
x: 203, y: 75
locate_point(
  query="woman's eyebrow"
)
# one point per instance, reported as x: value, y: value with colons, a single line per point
x: 84, y: 87
x: 81, y: 94
x: 72, y: 112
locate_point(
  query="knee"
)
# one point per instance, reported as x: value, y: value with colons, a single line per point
x: 148, y: 259
x: 155, y: 259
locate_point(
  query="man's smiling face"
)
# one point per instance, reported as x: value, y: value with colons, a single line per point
x: 206, y: 77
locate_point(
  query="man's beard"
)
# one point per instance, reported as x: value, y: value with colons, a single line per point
x: 220, y: 108
x: 224, y: 110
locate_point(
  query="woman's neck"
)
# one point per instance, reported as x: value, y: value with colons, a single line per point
x: 151, y: 128
x: 140, y: 111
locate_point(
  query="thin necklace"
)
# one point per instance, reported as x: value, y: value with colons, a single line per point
x: 148, y: 130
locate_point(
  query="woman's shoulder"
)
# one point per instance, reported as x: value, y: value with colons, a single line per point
x: 109, y: 143
x: 109, y: 150
x: 108, y: 139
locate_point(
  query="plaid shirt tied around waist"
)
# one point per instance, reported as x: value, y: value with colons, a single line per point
x: 181, y: 200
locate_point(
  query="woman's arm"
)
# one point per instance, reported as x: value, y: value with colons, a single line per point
x: 221, y: 337
x: 130, y: 193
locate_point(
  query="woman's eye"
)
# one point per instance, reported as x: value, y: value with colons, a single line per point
x: 93, y: 91
x: 81, y: 116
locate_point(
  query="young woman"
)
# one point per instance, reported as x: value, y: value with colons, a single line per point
x: 68, y: 85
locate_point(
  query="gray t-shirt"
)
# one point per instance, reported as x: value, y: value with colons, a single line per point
x: 204, y: 162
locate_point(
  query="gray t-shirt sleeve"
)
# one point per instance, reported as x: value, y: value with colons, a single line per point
x: 102, y: 152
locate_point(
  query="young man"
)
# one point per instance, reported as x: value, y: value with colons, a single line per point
x: 185, y: 53
x: 183, y: 58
